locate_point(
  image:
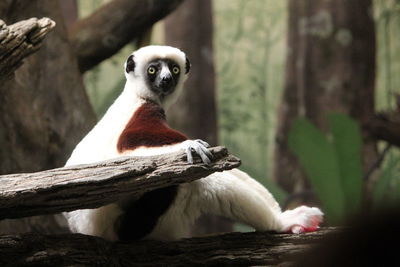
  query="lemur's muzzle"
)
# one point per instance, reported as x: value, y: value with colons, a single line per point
x: 166, y: 84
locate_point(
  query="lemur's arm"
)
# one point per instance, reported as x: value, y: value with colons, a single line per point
x: 197, y: 146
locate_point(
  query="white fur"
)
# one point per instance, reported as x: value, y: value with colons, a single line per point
x: 232, y: 194
x: 101, y: 142
x: 97, y: 222
x: 165, y: 72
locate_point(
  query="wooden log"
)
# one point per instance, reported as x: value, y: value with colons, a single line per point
x: 233, y: 249
x: 94, y: 185
x: 19, y: 40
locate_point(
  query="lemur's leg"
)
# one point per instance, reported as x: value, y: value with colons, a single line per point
x: 97, y: 222
x: 241, y: 198
x: 289, y: 216
x: 258, y: 187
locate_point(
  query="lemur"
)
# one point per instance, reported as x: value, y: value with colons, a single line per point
x: 135, y: 125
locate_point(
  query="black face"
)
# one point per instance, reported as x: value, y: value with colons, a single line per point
x: 162, y: 76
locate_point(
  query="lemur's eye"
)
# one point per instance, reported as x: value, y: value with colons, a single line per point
x: 175, y: 70
x: 151, y: 70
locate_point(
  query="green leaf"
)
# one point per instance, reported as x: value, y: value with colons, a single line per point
x: 347, y: 142
x: 382, y: 194
x: 318, y: 158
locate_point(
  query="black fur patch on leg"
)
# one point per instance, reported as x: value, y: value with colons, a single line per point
x: 141, y: 216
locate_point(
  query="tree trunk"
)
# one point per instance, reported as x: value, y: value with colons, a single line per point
x: 330, y: 67
x: 44, y: 110
x: 190, y: 28
x: 69, y: 9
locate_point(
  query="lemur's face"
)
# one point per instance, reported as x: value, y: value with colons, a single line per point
x: 155, y: 72
x: 162, y: 76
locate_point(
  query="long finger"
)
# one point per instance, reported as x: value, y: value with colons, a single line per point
x: 189, y: 156
x: 207, y: 152
x: 204, y: 143
x: 203, y: 156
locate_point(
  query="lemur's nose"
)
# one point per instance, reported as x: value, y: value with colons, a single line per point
x: 167, y: 78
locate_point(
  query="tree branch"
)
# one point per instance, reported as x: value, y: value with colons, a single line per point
x: 94, y: 185
x: 386, y: 127
x: 238, y: 249
x: 112, y: 26
x: 19, y: 40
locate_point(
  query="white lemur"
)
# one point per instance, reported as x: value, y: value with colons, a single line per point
x: 135, y: 125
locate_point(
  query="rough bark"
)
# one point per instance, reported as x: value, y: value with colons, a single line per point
x: 113, y: 25
x: 94, y: 185
x: 194, y: 111
x: 233, y: 249
x: 330, y: 67
x: 44, y: 110
x: 20, y: 40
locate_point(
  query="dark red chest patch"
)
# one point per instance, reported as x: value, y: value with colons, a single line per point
x: 148, y: 127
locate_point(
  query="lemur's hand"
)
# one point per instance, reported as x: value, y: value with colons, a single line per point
x: 200, y: 147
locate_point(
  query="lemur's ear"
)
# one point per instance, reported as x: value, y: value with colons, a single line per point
x: 187, y: 65
x: 130, y: 64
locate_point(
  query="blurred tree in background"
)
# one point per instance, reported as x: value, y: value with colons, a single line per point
x: 250, y: 45
x: 330, y: 67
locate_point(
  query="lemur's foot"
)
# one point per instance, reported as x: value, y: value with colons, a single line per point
x: 200, y: 147
x: 301, y: 219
